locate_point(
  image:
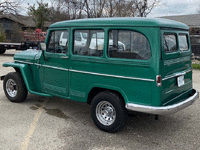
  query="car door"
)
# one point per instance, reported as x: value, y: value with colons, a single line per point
x: 56, y: 72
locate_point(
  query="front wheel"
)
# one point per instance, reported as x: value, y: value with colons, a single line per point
x: 14, y: 87
x: 108, y: 112
x: 2, y: 51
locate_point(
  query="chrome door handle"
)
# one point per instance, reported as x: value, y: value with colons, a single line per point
x: 65, y: 57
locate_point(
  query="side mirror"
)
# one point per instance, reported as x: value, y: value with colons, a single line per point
x: 43, y: 46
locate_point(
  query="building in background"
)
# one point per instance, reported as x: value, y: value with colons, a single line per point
x: 15, y: 26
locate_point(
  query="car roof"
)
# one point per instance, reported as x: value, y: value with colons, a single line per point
x: 122, y: 22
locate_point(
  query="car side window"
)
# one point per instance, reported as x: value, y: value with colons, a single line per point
x: 88, y: 42
x: 58, y: 41
x: 128, y: 45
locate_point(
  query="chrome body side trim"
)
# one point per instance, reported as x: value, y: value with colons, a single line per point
x: 42, y: 65
x: 176, y: 75
x: 108, y: 75
x: 164, y: 109
x: 47, y: 66
x: 93, y: 73
x: 24, y: 62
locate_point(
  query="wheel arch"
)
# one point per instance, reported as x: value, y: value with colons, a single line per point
x: 25, y: 72
x: 95, y: 89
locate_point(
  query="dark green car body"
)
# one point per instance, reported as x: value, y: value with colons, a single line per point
x: 146, y: 84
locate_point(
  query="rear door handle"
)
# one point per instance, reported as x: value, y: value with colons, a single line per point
x: 65, y: 57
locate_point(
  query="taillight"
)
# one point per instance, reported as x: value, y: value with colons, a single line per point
x: 158, y: 80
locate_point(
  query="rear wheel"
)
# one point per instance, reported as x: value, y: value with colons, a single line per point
x: 14, y: 87
x: 108, y: 112
x: 2, y: 51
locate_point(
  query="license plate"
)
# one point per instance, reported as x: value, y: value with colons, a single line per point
x: 180, y: 80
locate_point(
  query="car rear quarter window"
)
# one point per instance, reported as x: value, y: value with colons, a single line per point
x: 128, y: 44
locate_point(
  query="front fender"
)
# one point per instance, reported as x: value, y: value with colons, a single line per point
x: 27, y: 77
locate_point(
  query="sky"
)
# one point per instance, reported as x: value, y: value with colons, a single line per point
x: 164, y: 7
x: 175, y: 7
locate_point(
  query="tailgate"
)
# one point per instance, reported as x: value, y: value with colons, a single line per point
x: 176, y: 72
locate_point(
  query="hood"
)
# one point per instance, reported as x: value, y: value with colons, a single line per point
x: 27, y: 56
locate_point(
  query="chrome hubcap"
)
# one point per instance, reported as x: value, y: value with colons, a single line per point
x: 11, y: 88
x: 105, y: 113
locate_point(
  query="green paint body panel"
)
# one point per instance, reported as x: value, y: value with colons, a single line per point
x: 27, y: 74
x: 121, y: 22
x: 74, y: 76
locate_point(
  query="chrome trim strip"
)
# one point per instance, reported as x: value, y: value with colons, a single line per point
x: 37, y: 64
x: 176, y: 74
x: 163, y: 110
x: 24, y: 62
x: 55, y: 67
x: 107, y: 75
x: 42, y: 65
x: 93, y: 73
x: 169, y: 91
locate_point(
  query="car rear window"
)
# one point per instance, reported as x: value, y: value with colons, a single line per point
x: 170, y: 43
x: 183, y: 42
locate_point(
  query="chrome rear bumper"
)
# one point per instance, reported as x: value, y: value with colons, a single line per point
x: 164, y: 109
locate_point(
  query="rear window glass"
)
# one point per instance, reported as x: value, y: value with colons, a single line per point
x: 183, y: 42
x: 170, y: 43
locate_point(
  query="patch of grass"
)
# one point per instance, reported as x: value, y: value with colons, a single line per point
x: 196, y: 66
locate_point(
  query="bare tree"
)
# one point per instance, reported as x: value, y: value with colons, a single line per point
x: 94, y: 8
x: 11, y: 7
x: 89, y: 8
x: 110, y: 7
x: 129, y: 8
x: 100, y: 8
x: 124, y: 9
x: 67, y: 9
x: 144, y: 7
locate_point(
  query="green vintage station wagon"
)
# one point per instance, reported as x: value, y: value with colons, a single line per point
x: 115, y: 64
